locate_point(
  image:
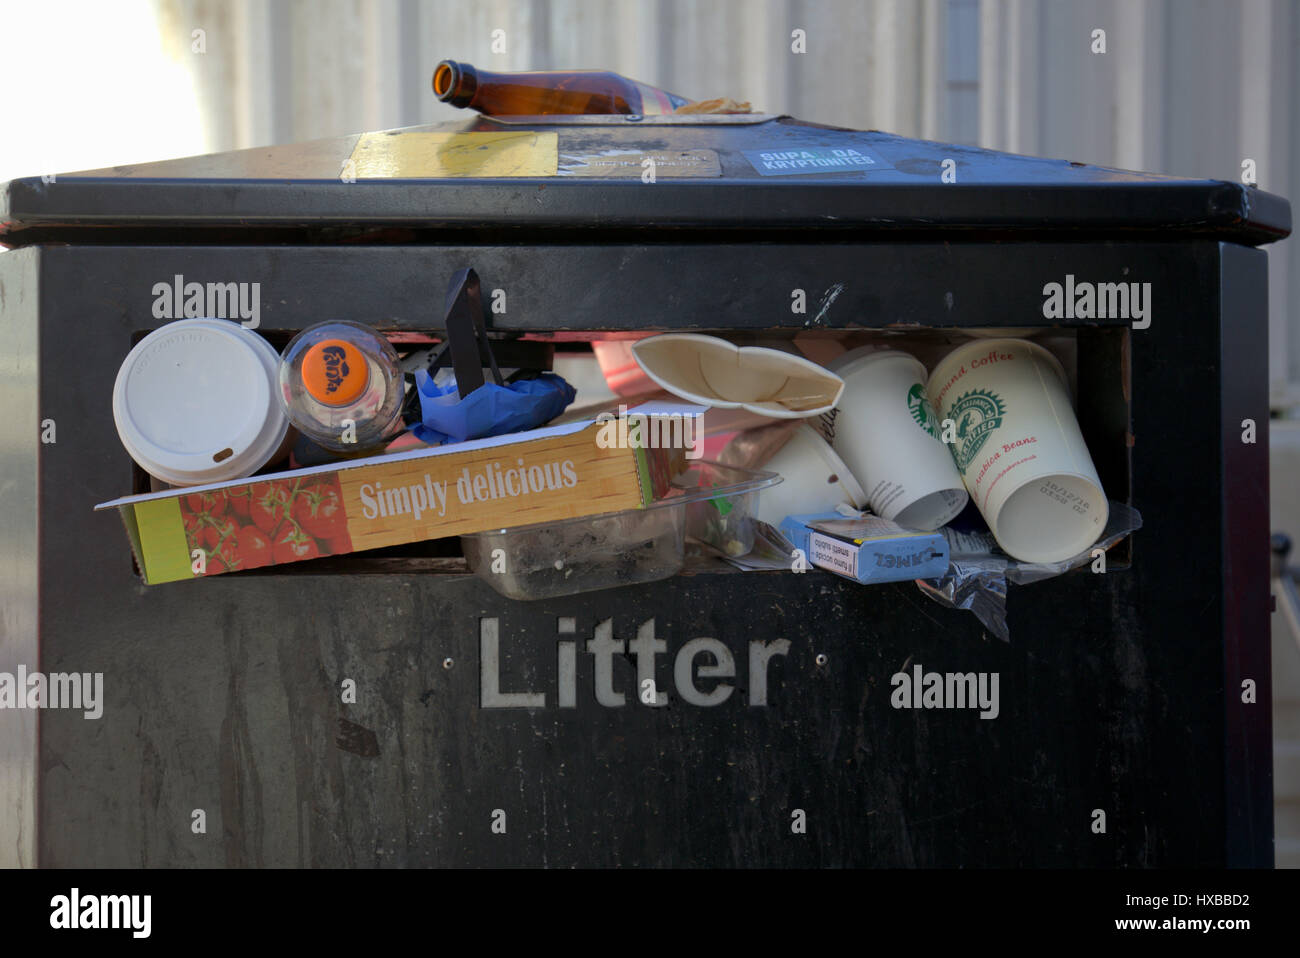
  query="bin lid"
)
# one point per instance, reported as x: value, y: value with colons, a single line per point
x: 727, y: 173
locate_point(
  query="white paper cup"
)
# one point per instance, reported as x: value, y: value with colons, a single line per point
x: 1019, y: 448
x: 886, y: 432
x: 816, y: 479
x: 713, y: 372
x: 194, y: 402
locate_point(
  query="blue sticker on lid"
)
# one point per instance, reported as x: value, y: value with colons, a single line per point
x: 815, y: 159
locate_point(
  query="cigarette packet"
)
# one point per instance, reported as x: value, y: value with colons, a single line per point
x: 867, y: 549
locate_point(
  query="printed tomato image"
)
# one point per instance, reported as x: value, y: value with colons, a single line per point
x: 223, y: 558
x: 213, y: 531
x: 252, y: 548
x: 193, y: 528
x: 212, y: 534
x: 269, y: 505
x: 318, y: 510
x: 213, y: 503
x: 292, y: 544
x: 241, y: 501
x: 266, y: 523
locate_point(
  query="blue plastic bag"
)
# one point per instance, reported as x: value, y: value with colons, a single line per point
x: 490, y: 410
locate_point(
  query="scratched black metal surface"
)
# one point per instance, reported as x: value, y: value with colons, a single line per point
x: 236, y: 710
x: 297, y: 188
x: 616, y: 286
x: 225, y: 694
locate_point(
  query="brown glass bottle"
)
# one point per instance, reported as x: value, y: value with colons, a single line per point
x: 545, y: 92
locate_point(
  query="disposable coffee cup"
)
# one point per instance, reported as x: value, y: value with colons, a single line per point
x: 816, y: 479
x: 885, y: 430
x: 194, y: 402
x: 1019, y: 448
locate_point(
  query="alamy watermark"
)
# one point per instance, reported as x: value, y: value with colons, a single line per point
x: 659, y: 431
x: 77, y: 911
x: 1084, y: 300
x: 946, y: 690
x: 181, y: 300
x: 58, y: 690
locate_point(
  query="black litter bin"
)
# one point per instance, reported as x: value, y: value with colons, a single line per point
x: 1133, y: 726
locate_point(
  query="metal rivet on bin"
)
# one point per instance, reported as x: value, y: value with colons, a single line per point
x: 821, y: 659
x: 448, y: 662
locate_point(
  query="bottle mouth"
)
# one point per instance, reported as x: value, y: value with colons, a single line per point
x: 444, y: 75
x: 334, y: 372
x: 454, y: 83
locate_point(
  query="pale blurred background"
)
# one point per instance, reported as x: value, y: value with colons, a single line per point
x: 1187, y: 87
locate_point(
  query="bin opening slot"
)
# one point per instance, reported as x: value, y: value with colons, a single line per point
x: 1096, y: 360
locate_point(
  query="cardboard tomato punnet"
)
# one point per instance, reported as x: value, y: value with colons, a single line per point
x: 542, y: 475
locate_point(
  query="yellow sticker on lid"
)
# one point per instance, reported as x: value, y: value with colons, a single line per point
x: 438, y: 155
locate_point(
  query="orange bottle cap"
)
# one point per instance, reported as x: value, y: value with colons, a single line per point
x: 335, y: 372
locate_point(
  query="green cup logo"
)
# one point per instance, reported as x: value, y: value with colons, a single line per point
x: 919, y: 406
x: 976, y: 414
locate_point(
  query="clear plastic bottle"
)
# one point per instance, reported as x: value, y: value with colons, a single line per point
x: 341, y: 385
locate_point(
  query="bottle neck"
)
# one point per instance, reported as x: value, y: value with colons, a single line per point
x: 455, y: 83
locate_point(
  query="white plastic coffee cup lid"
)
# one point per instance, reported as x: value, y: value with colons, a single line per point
x: 193, y: 402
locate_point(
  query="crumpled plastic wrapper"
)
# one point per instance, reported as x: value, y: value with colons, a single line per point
x: 490, y: 410
x: 978, y: 572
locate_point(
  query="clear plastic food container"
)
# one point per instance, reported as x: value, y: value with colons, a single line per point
x: 617, y: 548
x: 725, y: 520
